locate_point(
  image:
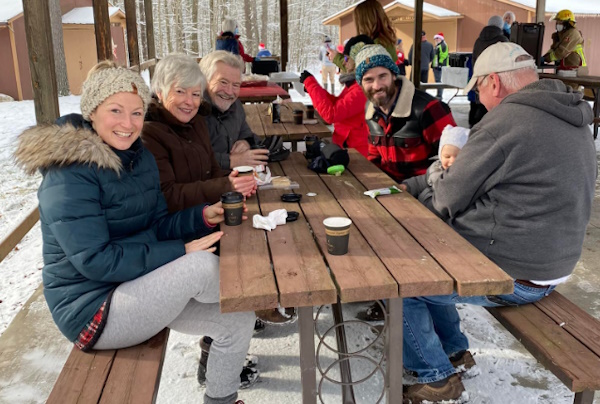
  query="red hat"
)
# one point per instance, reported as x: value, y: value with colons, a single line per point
x: 439, y: 35
x: 261, y: 46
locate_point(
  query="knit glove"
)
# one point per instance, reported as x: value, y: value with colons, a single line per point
x: 305, y: 74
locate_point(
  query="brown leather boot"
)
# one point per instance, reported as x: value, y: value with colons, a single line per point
x: 448, y: 389
x: 462, y: 361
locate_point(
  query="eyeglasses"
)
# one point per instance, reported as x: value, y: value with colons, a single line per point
x: 478, y: 83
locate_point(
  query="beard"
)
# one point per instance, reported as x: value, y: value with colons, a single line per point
x: 383, y: 96
x: 223, y: 101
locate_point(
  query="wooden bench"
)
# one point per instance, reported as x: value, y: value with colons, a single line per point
x: 562, y: 337
x: 129, y: 375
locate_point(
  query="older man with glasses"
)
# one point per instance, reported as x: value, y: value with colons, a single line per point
x: 521, y: 192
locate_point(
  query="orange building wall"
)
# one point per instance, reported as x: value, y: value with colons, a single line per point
x: 8, y: 80
x: 80, y: 53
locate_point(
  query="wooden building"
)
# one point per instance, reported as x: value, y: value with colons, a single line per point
x: 461, y: 21
x: 79, y: 44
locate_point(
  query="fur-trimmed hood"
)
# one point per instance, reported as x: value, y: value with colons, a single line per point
x: 44, y: 146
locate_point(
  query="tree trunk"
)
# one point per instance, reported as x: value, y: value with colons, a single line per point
x: 60, y: 63
x: 194, y: 26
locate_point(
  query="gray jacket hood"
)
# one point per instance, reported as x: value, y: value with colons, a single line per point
x: 556, y: 99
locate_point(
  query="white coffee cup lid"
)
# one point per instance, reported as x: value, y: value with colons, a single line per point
x: 337, y: 222
x: 243, y: 169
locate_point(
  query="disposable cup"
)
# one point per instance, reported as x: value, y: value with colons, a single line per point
x: 233, y: 204
x: 337, y: 232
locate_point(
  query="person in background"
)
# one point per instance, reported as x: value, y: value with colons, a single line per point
x: 177, y: 136
x: 426, y: 58
x: 508, y: 18
x: 230, y: 135
x: 520, y: 191
x: 371, y: 20
x: 440, y: 59
x: 346, y: 111
x: 400, y: 55
x: 118, y: 267
x: 263, y: 52
x: 327, y: 67
x: 405, y: 123
x: 489, y: 35
x: 229, y: 40
x: 567, y: 43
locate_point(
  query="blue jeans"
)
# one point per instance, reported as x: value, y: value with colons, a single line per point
x: 432, y: 328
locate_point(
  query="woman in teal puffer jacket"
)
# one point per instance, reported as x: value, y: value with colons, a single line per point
x: 118, y: 268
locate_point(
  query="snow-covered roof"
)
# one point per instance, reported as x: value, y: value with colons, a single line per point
x: 84, y: 15
x: 428, y: 8
x: 10, y: 9
x: 552, y: 6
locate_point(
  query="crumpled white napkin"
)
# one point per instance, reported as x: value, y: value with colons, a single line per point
x: 277, y: 217
x: 263, y: 178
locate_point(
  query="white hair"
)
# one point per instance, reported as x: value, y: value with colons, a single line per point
x: 513, y: 18
x: 208, y: 64
x: 177, y: 69
x: 517, y: 79
x: 228, y: 25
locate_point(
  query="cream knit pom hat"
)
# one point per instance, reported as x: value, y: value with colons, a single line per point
x: 106, y: 79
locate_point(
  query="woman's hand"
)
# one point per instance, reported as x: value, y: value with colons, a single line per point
x: 204, y: 244
x: 214, y: 214
x: 246, y: 184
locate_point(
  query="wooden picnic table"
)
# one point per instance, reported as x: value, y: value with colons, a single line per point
x: 397, y: 249
x: 259, y: 120
x: 589, y: 83
x: 261, y: 94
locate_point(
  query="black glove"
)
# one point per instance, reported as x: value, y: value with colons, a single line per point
x: 305, y: 74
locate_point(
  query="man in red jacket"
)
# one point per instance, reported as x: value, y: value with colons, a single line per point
x: 405, y: 124
x: 346, y: 111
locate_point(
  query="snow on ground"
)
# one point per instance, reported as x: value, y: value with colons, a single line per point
x: 506, y: 373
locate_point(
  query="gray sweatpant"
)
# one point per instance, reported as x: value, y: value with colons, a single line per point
x: 183, y: 295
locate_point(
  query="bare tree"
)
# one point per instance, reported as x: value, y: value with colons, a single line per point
x: 60, y: 63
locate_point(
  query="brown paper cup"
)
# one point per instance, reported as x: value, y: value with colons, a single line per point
x: 310, y: 112
x: 233, y: 204
x: 337, y: 232
x: 298, y: 114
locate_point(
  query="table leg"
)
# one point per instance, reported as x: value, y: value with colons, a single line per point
x: 294, y: 146
x: 345, y: 370
x: 393, y: 348
x: 308, y: 363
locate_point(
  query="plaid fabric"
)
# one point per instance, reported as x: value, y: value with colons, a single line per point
x: 87, y: 337
x: 429, y: 116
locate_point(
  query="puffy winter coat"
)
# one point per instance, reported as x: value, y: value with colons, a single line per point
x: 104, y: 219
x: 346, y: 112
x: 189, y: 171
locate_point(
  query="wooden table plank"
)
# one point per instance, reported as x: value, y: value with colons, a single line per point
x: 473, y: 273
x: 354, y: 283
x: 413, y: 268
x: 270, y: 128
x: 253, y: 119
x: 246, y: 280
x: 302, y: 277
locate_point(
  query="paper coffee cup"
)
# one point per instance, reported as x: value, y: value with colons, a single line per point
x: 310, y: 112
x: 337, y: 232
x: 233, y: 204
x: 244, y: 170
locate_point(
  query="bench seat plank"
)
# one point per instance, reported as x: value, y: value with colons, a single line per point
x: 354, y: 284
x: 302, y: 277
x: 575, y: 365
x: 135, y: 374
x: 246, y: 276
x: 471, y: 272
x: 413, y: 268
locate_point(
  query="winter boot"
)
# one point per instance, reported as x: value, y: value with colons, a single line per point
x: 248, y: 375
x: 450, y: 388
x: 462, y: 361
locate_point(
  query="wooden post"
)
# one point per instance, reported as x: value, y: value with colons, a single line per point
x: 150, y: 33
x: 132, y: 41
x: 540, y: 10
x: 102, y: 30
x: 41, y: 60
x: 416, y: 62
x: 283, y: 23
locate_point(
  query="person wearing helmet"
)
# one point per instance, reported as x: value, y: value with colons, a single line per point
x: 567, y: 43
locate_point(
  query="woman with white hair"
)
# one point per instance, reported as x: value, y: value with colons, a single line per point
x: 229, y: 40
x: 178, y: 137
x: 118, y: 267
x: 509, y: 18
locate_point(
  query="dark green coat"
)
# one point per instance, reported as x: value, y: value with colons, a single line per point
x: 104, y: 219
